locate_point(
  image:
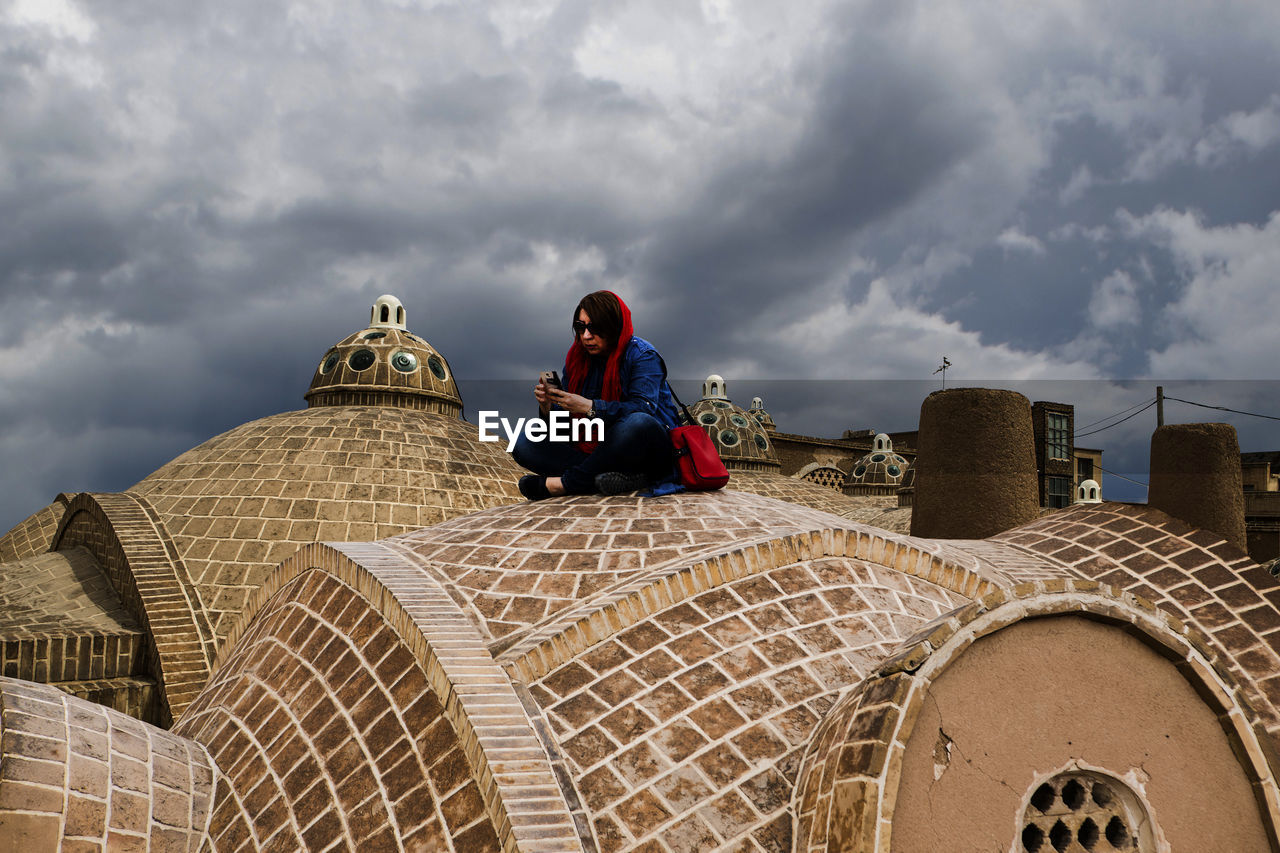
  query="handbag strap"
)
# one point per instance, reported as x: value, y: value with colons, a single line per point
x: 687, y: 417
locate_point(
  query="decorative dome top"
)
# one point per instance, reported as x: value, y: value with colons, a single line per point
x: 385, y: 365
x: 714, y: 388
x: 1088, y: 492
x: 758, y: 412
x: 387, y: 313
x: 740, y: 438
x: 879, y: 467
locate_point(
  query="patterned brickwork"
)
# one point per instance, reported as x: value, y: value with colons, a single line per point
x: 79, y: 777
x: 323, y: 741
x: 241, y: 503
x: 518, y: 565
x: 823, y: 475
x: 896, y: 520
x: 1192, y: 574
x: 848, y: 782
x: 685, y: 729
x: 32, y: 535
x: 804, y: 493
x: 62, y: 623
x: 59, y: 593
x: 398, y: 369
x: 132, y: 547
x: 375, y: 728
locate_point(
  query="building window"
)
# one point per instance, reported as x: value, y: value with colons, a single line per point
x: 1059, y: 492
x: 1057, y: 438
x: 1081, y: 810
x: 1084, y: 470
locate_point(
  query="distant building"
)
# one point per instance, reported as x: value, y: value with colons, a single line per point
x: 1261, y: 475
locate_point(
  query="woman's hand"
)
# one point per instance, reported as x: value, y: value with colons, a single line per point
x: 573, y: 403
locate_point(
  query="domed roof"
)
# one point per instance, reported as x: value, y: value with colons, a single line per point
x: 1088, y: 492
x: 740, y: 439
x: 239, y: 503
x: 385, y: 365
x: 879, y: 467
x: 761, y: 416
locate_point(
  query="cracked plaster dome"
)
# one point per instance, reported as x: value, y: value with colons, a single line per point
x: 881, y: 466
x: 740, y: 439
x: 385, y: 365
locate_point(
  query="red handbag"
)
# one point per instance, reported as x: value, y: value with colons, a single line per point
x: 697, y: 461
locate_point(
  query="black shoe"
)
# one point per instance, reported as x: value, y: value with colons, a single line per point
x: 617, y: 483
x: 533, y: 487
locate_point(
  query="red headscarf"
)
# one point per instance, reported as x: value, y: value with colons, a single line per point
x: 578, y: 360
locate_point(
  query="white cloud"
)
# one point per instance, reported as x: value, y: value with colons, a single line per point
x: 881, y: 337
x: 1115, y: 302
x: 1223, y: 323
x: 1240, y: 133
x: 1014, y: 240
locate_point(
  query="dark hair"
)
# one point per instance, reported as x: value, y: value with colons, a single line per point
x: 605, y: 313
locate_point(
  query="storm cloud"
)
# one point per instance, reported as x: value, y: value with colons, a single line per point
x: 198, y: 199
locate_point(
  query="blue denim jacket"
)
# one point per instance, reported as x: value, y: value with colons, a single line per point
x: 644, y: 386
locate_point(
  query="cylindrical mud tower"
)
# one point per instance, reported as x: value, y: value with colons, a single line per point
x: 1195, y: 476
x: 976, y: 466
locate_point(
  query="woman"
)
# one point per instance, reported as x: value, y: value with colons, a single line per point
x: 610, y: 374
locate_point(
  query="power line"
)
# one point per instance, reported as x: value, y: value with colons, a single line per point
x: 1122, y: 477
x: 1116, y: 415
x: 1117, y: 423
x: 1222, y: 408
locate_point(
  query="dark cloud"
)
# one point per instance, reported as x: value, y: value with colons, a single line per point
x: 200, y: 198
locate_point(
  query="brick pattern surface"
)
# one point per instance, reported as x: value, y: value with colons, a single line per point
x: 132, y: 547
x: 62, y: 623
x: 242, y: 502
x: 418, y: 388
x: 79, y: 777
x: 328, y: 733
x: 685, y: 729
x: 386, y: 727
x: 847, y: 783
x: 32, y: 535
x: 54, y: 594
x: 520, y: 564
x: 1192, y: 574
x: 862, y: 508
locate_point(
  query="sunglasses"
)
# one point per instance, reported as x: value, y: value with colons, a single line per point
x: 594, y: 328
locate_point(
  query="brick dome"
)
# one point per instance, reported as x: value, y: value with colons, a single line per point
x: 385, y: 365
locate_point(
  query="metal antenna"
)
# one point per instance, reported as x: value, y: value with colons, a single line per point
x: 942, y: 368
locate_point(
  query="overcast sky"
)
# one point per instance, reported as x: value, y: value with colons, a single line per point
x: 198, y: 198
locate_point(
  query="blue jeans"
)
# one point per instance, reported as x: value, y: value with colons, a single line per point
x: 634, y: 444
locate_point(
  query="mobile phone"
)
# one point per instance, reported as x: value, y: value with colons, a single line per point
x: 551, y: 379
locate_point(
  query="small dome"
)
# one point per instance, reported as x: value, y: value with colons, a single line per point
x: 1089, y: 492
x: 713, y: 388
x: 761, y: 416
x: 881, y: 467
x: 740, y: 438
x: 387, y: 313
x: 385, y: 365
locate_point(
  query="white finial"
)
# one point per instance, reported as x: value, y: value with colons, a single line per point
x: 387, y: 313
x: 883, y: 443
x: 1088, y: 492
x: 757, y: 404
x: 714, y: 388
